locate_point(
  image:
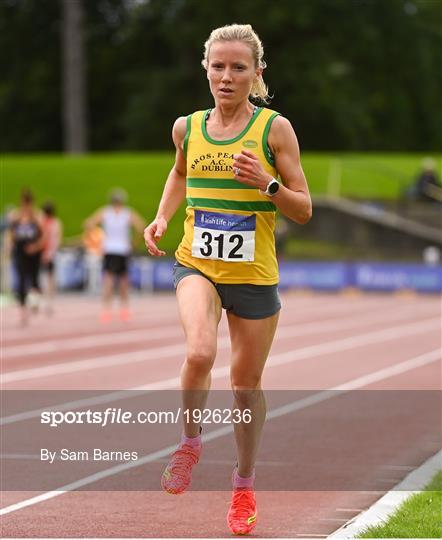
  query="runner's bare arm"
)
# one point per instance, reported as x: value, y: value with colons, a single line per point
x: 173, y: 193
x: 137, y: 221
x: 292, y: 198
x: 58, y: 233
x: 93, y: 220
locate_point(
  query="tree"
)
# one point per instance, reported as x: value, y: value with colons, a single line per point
x: 74, y: 84
x: 349, y: 74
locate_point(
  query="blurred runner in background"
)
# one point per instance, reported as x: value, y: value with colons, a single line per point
x: 116, y: 220
x: 27, y: 240
x: 5, y: 251
x: 52, y: 233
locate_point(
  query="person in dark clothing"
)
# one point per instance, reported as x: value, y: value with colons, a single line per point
x: 428, y: 187
x: 27, y: 243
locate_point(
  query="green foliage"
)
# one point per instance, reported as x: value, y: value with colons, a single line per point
x: 30, y: 82
x: 350, y: 74
x: 417, y: 517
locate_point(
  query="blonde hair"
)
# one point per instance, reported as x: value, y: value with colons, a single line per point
x: 245, y: 34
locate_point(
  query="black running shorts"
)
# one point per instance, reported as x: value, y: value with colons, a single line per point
x: 243, y: 299
x: 115, y: 264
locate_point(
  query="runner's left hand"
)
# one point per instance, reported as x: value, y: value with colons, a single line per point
x: 251, y: 171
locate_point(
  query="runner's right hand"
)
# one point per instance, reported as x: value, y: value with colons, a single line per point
x: 153, y: 234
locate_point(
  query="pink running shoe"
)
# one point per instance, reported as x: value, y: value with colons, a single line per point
x: 242, y: 514
x: 178, y: 473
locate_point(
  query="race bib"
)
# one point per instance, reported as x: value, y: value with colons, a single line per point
x: 225, y: 237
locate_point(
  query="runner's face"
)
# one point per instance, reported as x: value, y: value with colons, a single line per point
x: 231, y: 71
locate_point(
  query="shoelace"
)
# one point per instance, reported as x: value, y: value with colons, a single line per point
x: 180, y: 461
x: 242, y: 501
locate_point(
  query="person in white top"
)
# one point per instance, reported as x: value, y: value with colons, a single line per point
x: 52, y: 234
x: 116, y: 220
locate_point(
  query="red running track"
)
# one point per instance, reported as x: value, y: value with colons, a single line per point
x: 345, y: 342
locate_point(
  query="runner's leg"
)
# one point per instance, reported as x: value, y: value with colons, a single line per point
x: 200, y: 312
x: 124, y: 290
x: 108, y: 283
x: 251, y: 341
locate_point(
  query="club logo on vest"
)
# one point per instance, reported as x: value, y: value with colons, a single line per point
x: 250, y: 144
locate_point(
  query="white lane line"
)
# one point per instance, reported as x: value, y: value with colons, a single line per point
x: 143, y: 335
x: 312, y: 535
x: 391, y: 371
x: 222, y: 371
x: 387, y: 480
x: 105, y: 361
x: 96, y: 340
x: 359, y: 382
x: 371, y: 492
x: 87, y: 317
x: 220, y: 432
x: 305, y: 307
x: 398, y: 467
x: 380, y: 511
x: 48, y: 346
x: 222, y: 462
x: 46, y: 329
x: 68, y: 405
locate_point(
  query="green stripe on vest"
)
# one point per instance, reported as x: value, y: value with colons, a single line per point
x: 216, y: 183
x: 258, y: 206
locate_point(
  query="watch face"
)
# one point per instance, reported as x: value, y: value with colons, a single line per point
x: 273, y: 187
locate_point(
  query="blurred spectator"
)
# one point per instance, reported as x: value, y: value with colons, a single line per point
x: 26, y: 234
x: 431, y: 256
x: 116, y: 220
x: 5, y: 249
x: 52, y: 234
x: 93, y: 238
x: 427, y: 186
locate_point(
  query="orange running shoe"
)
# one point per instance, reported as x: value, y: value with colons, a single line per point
x: 242, y: 514
x: 125, y: 315
x: 178, y: 473
x: 106, y: 316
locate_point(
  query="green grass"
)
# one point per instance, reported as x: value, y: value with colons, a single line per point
x: 78, y: 185
x: 418, y: 517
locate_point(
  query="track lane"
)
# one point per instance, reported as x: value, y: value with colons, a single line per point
x: 212, y: 530
x: 304, y: 522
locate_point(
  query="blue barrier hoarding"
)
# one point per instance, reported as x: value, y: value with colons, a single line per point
x: 74, y: 271
x: 393, y: 277
x: 162, y: 275
x: 326, y: 276
x: 335, y: 276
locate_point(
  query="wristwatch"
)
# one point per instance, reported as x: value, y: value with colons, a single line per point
x: 272, y: 188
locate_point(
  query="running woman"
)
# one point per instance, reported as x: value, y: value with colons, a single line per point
x: 27, y: 243
x: 52, y: 231
x: 117, y: 220
x: 228, y: 161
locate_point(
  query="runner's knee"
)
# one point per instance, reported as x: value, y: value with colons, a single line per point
x: 245, y: 381
x: 200, y: 359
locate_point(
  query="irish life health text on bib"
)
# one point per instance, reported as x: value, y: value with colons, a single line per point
x: 226, y: 237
